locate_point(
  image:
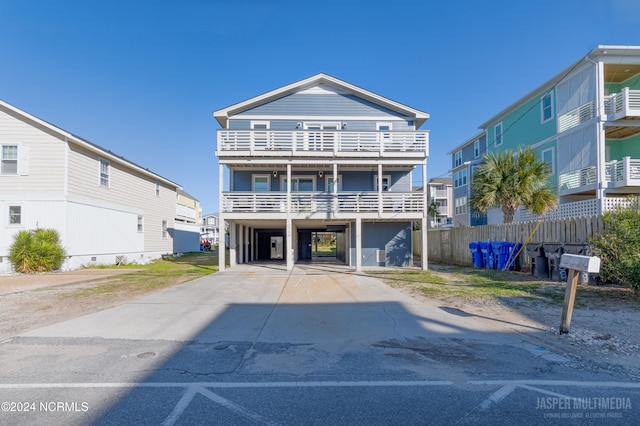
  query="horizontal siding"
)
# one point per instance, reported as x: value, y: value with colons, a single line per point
x: 101, y: 231
x: 45, y: 161
x: 321, y: 104
x: 351, y: 180
x: 392, y: 237
x: 127, y: 188
x: 351, y: 125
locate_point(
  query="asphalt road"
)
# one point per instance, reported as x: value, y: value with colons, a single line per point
x: 256, y: 344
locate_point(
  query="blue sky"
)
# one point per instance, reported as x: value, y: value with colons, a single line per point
x: 142, y: 78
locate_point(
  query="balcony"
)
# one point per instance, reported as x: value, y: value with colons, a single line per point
x: 274, y: 203
x: 623, y: 111
x: 314, y: 143
x: 621, y: 173
x: 185, y: 213
x: 623, y: 105
x: 618, y: 174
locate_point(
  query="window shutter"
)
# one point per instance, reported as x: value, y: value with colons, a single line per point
x: 23, y: 160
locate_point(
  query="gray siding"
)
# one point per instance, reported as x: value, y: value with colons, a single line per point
x: 321, y: 104
x: 392, y: 237
x: 351, y: 180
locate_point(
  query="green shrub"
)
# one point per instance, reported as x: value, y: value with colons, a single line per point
x: 619, y: 246
x: 36, y: 251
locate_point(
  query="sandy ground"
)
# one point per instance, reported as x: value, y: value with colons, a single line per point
x: 603, y: 335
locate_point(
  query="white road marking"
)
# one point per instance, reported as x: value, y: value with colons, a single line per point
x: 227, y: 385
x: 497, y: 396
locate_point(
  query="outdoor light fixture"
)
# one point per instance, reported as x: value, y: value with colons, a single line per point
x: 299, y: 125
x: 344, y: 126
x: 275, y: 174
x: 320, y: 174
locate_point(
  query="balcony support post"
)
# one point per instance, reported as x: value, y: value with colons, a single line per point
x: 289, y: 245
x: 358, y: 244
x: 221, y: 231
x: 233, y: 256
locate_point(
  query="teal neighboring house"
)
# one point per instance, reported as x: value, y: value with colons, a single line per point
x: 585, y: 123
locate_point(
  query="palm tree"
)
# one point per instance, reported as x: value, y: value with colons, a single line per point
x: 509, y: 181
x: 432, y: 211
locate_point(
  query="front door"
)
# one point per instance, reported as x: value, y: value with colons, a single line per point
x: 304, y: 245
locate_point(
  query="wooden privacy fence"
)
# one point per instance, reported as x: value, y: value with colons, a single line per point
x: 451, y: 245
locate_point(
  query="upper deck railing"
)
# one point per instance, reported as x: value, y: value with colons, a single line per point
x: 321, y: 143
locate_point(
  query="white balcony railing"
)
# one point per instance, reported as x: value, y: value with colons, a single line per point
x: 185, y: 212
x: 625, y: 172
x: 315, y: 202
x: 314, y: 142
x: 623, y: 104
x: 618, y: 173
x: 576, y: 116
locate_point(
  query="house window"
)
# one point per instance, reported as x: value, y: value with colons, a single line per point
x: 15, y: 215
x: 260, y: 183
x: 9, y: 165
x: 497, y: 134
x: 329, y: 183
x: 300, y: 184
x: 386, y: 182
x: 547, y: 157
x: 140, y: 224
x: 164, y: 229
x: 461, y: 205
x: 104, y: 173
x: 457, y: 159
x: 460, y: 178
x: 476, y: 149
x: 546, y: 108
x: 157, y: 189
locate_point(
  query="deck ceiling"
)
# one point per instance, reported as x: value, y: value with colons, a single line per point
x: 617, y: 73
x: 622, y: 132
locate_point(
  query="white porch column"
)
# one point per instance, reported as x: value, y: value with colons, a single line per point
x: 358, y: 244
x: 221, y: 232
x: 380, y: 188
x: 423, y: 225
x: 334, y: 205
x: 233, y: 256
x: 600, y: 141
x: 241, y: 244
x: 252, y: 244
x: 289, y: 245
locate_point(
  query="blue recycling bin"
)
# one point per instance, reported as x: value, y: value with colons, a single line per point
x: 497, y: 248
x: 487, y: 254
x: 476, y: 254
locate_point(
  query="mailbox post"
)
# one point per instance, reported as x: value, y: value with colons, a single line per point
x: 575, y: 264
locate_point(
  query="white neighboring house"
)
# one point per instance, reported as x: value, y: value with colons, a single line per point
x: 106, y: 208
x: 210, y: 228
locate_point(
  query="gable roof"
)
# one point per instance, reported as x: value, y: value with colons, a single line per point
x: 71, y: 138
x: 222, y: 115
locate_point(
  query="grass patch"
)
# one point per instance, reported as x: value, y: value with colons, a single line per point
x: 449, y: 283
x: 159, y: 274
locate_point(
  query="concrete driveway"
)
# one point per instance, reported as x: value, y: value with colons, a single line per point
x: 265, y: 303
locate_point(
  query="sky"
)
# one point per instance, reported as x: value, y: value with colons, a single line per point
x: 142, y: 77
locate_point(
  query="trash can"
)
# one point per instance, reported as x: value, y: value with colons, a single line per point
x: 553, y: 252
x: 498, y: 258
x: 507, y: 253
x: 487, y: 255
x: 539, y: 266
x: 476, y: 254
